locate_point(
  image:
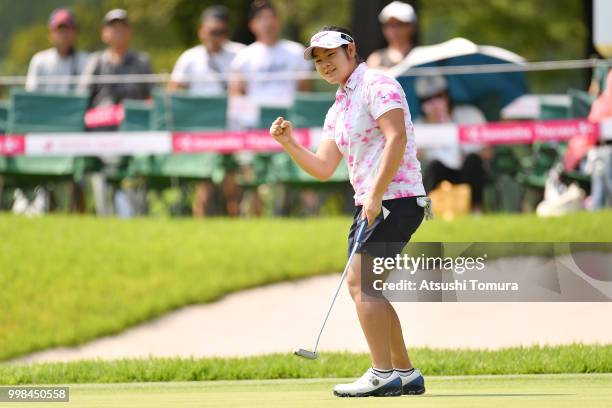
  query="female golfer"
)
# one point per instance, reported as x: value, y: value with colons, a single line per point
x: 369, y: 125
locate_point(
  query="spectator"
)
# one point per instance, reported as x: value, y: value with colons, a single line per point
x: 62, y: 59
x: 117, y: 59
x: 398, y: 25
x: 599, y: 159
x: 602, y: 107
x: 599, y: 77
x: 201, y: 69
x: 451, y: 163
x: 268, y: 55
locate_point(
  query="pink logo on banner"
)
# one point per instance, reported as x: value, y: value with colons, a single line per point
x: 12, y: 145
x: 231, y: 141
x: 193, y: 142
x: 496, y: 133
x: 562, y: 130
x: 103, y: 116
x: 48, y: 146
x: 527, y: 132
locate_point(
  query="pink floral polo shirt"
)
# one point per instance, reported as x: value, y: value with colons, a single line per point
x: 351, y: 123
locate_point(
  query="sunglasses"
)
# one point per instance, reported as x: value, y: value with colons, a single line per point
x: 395, y: 25
x: 438, y: 95
x: 218, y: 33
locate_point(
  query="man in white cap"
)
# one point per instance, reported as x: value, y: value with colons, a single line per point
x: 398, y: 21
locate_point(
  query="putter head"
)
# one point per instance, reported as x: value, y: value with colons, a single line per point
x: 310, y: 355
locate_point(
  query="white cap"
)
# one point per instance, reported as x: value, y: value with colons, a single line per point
x: 328, y: 40
x: 428, y: 86
x: 398, y: 10
x: 115, y: 15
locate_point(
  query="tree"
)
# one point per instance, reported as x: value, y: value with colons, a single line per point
x: 537, y: 30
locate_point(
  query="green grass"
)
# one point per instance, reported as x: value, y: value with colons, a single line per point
x: 526, y: 391
x: 575, y: 358
x: 66, y: 279
x: 579, y: 227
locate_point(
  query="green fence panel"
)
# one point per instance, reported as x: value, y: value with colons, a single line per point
x: 554, y: 110
x: 43, y: 165
x: 283, y: 169
x: 179, y: 165
x: 309, y: 109
x: 179, y: 111
x: 268, y: 114
x: 137, y: 116
x: 183, y: 112
x: 580, y: 105
x: 31, y: 112
x: 4, y: 108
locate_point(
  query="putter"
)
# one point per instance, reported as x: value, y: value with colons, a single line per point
x: 363, y: 233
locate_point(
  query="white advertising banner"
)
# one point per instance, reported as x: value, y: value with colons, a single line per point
x: 98, y: 143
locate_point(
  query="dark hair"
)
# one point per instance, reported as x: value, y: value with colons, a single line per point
x: 220, y: 13
x: 346, y: 31
x: 258, y: 6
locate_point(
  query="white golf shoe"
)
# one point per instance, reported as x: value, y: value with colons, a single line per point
x: 371, y: 385
x: 413, y: 384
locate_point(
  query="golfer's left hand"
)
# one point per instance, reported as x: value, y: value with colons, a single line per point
x: 371, y: 208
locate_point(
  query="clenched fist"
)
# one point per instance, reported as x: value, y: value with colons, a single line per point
x: 282, y: 131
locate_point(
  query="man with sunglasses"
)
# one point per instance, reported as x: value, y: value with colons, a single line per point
x: 398, y: 21
x: 202, y: 69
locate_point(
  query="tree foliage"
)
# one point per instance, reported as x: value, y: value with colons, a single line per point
x: 539, y: 30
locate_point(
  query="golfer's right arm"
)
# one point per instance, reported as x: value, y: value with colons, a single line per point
x: 321, y: 165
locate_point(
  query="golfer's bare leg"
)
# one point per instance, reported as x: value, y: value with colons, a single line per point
x: 374, y: 318
x: 399, y: 355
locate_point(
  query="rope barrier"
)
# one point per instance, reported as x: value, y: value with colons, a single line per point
x: 291, y: 75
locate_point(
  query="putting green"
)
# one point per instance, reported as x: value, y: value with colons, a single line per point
x: 561, y: 390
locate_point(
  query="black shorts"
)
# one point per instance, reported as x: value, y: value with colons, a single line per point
x: 392, y: 234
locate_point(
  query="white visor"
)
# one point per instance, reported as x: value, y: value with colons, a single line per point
x: 328, y: 40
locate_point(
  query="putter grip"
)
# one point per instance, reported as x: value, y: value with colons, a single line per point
x: 361, y: 232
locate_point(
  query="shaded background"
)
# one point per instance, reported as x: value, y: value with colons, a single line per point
x: 537, y: 30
